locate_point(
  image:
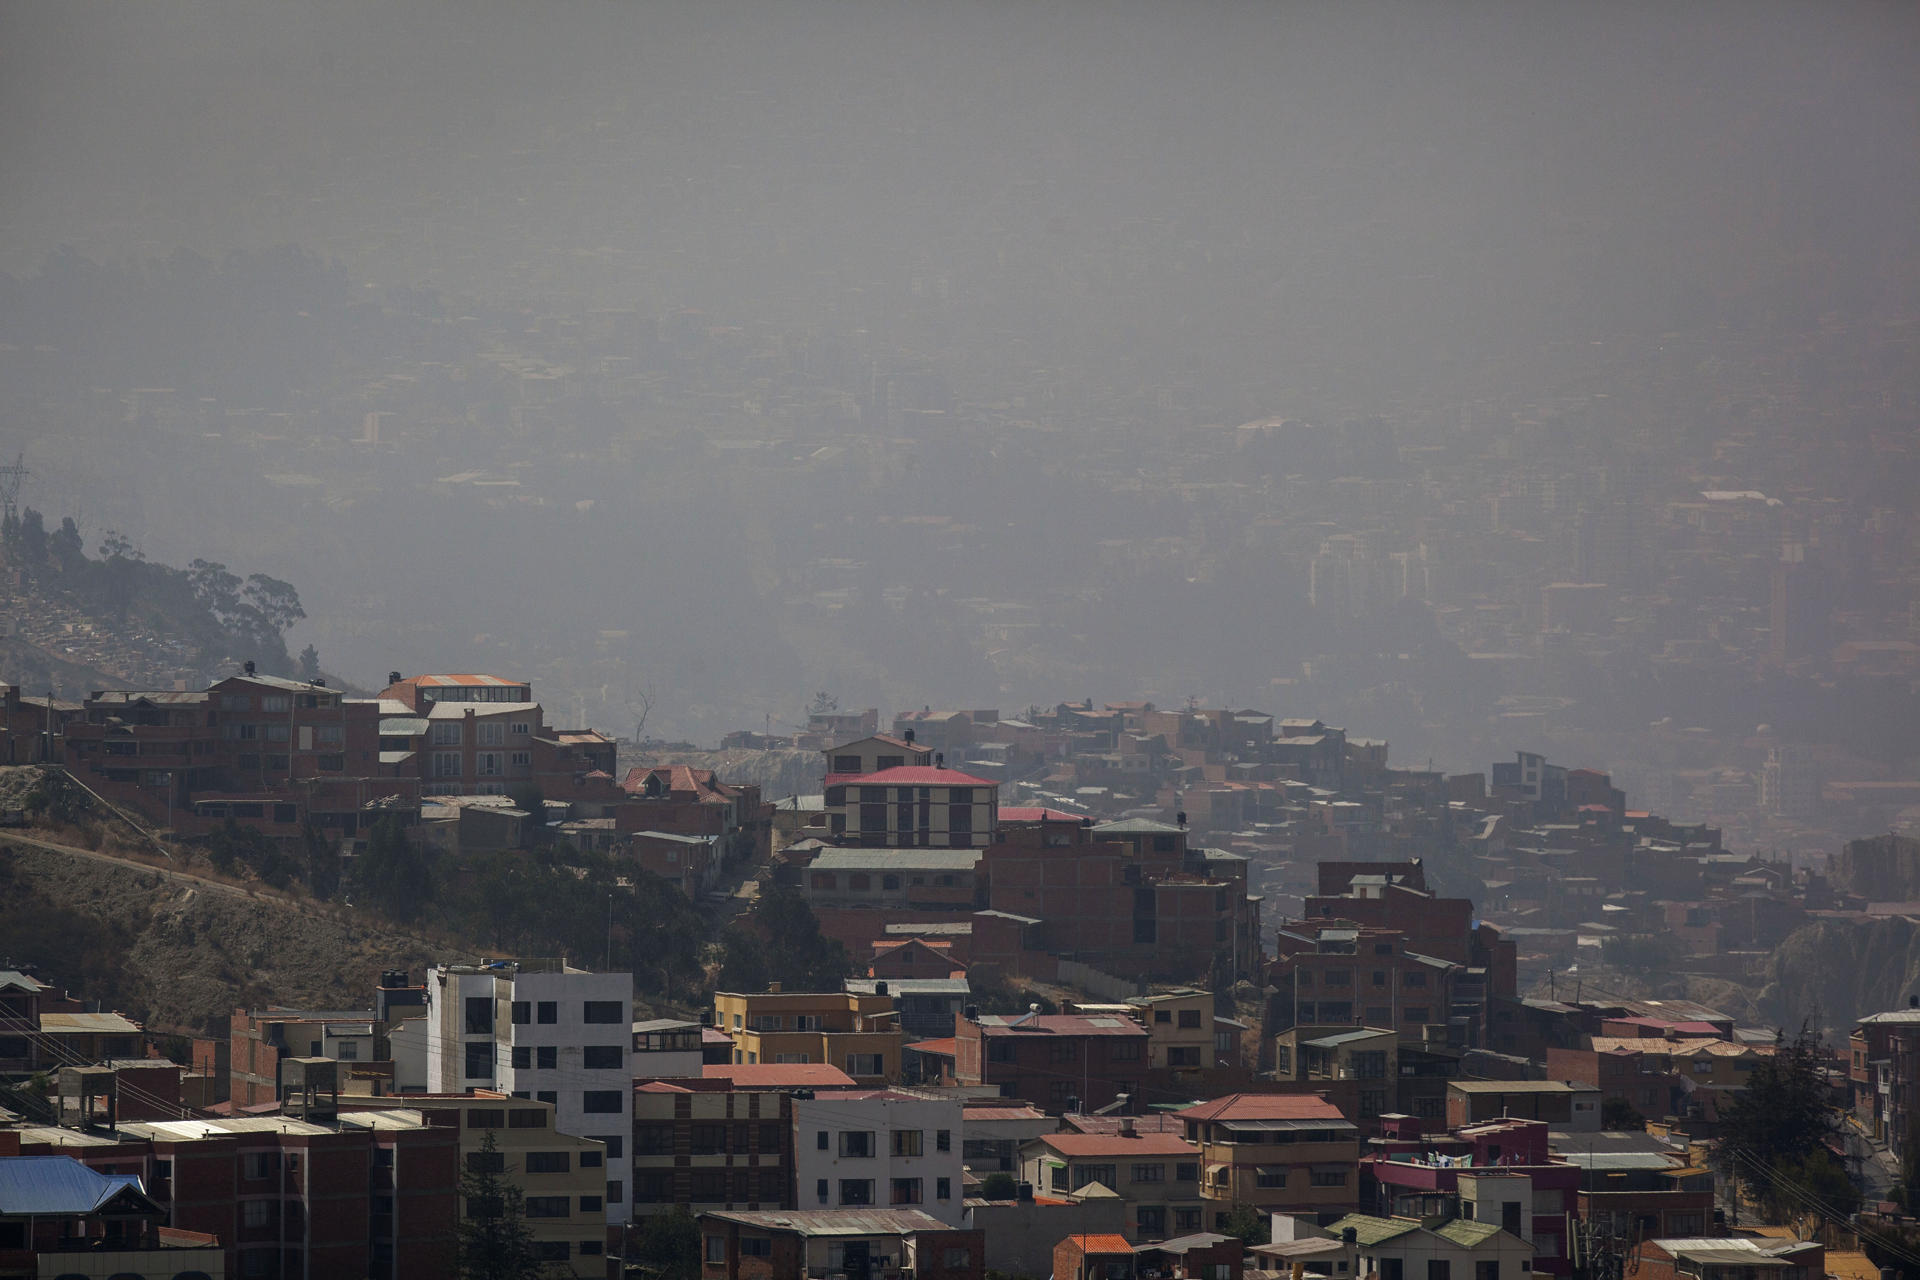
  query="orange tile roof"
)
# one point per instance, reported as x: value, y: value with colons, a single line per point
x: 1102, y: 1243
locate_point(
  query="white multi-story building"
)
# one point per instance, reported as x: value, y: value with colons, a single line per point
x: 892, y: 1148
x: 543, y: 1030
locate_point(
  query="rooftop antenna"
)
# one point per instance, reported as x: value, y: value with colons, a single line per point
x: 10, y: 478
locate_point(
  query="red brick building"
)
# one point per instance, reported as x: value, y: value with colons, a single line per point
x: 291, y: 1197
x: 1050, y: 1059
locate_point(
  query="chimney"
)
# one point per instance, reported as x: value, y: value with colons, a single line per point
x: 1181, y: 817
x: 393, y: 677
x: 939, y: 759
x: 1126, y: 1127
x: 880, y: 988
x: 909, y: 737
x: 247, y: 666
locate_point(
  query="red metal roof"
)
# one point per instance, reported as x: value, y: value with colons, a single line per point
x: 910, y: 775
x: 773, y: 1075
x: 1024, y: 813
x: 1265, y: 1106
x: 942, y: 1047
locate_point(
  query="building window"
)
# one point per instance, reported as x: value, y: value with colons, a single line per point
x: 522, y: 1058
x: 547, y: 1095
x: 708, y: 1139
x: 906, y: 1191
x: 943, y: 1188
x: 601, y: 1011
x: 549, y: 1162
x: 479, y: 1061
x: 591, y: 1160
x: 488, y: 764
x: 600, y: 1102
x: 446, y: 764
x: 756, y: 1246
x: 943, y: 1140
x: 1105, y: 1174
x: 716, y: 1248
x: 846, y: 764
x: 956, y: 1259
x: 1328, y: 1178
x: 1270, y: 1176
x: 546, y: 1057
x: 1124, y: 1051
x: 527, y: 1117
x: 865, y: 1064
x: 614, y: 1144
x: 1149, y: 1173
x: 1063, y: 1051
x: 487, y: 1118
x: 908, y: 1142
x: 856, y: 1191
x: 856, y: 1144
x: 522, y: 1013
x: 255, y: 1214
x: 616, y: 1190
x: 602, y: 1057
x: 1439, y: 1269
x: 486, y: 1162
x: 1150, y: 1221
x: 1190, y: 1018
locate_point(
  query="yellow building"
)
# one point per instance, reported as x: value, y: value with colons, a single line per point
x: 1291, y: 1153
x: 860, y: 1034
x: 562, y: 1178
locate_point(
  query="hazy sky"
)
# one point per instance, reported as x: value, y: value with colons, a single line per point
x: 1166, y: 214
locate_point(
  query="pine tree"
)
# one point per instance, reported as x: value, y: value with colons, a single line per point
x: 495, y: 1242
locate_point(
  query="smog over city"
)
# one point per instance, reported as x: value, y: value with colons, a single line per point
x: 1479, y: 438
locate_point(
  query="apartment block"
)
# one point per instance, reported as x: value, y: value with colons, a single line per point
x: 1278, y: 1153
x: 859, y: 1033
x: 544, y: 1030
x: 895, y: 1148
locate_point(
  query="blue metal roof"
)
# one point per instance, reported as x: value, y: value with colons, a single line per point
x: 59, y: 1185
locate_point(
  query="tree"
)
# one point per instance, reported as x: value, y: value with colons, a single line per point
x: 217, y: 590
x: 495, y: 1242
x: 1248, y: 1223
x: 668, y: 1246
x: 1773, y: 1134
x: 65, y: 546
x: 781, y: 940
x: 395, y: 872
x: 323, y: 862
x: 32, y: 538
x: 309, y: 664
x: 1619, y: 1114
x: 999, y: 1186
x: 277, y: 601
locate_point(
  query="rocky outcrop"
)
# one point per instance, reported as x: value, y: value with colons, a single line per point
x: 1880, y: 869
x: 1838, y: 971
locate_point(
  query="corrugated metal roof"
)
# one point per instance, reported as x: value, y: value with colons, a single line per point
x: 1467, y: 1235
x: 1369, y: 1230
x: 837, y: 1222
x: 896, y: 860
x: 61, y: 1185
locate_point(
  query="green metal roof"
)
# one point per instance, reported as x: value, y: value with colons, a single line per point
x: 1468, y: 1235
x: 1369, y: 1230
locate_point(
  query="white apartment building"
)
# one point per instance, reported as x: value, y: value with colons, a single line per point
x: 543, y: 1030
x: 890, y: 1148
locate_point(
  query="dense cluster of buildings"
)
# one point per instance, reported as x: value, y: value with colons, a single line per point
x: 1040, y: 1064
